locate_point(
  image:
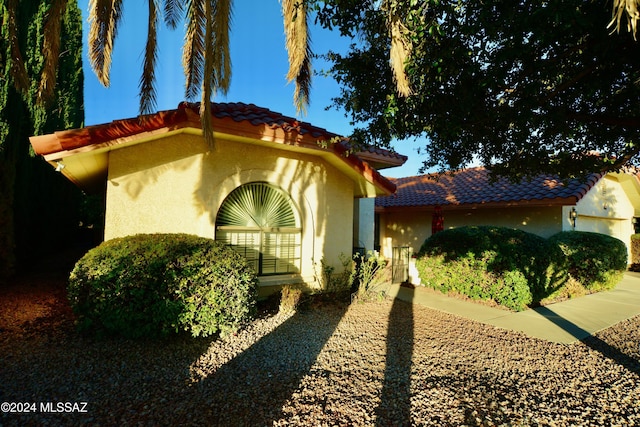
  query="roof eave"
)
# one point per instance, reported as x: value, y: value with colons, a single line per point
x: 379, y: 161
x: 551, y: 202
x: 98, y: 140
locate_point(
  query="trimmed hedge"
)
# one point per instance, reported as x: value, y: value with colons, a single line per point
x: 596, y: 261
x: 517, y: 269
x: 156, y: 284
x: 509, y: 266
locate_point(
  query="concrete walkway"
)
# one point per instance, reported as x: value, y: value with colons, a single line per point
x: 563, y: 322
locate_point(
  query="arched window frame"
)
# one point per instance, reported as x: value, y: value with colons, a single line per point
x: 260, y: 221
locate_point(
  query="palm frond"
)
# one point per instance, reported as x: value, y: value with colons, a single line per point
x: 217, y: 62
x: 399, y: 52
x: 51, y: 49
x: 194, y: 46
x: 18, y: 69
x: 298, y: 44
x: 147, y: 80
x: 221, y: 75
x: 173, y: 10
x: 632, y: 14
x: 302, y: 92
x: 104, y: 17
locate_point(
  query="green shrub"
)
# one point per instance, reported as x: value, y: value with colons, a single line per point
x: 512, y: 291
x: 597, y: 261
x: 329, y: 280
x: 511, y: 267
x: 635, y: 252
x: 155, y: 284
x: 369, y: 276
x: 571, y: 289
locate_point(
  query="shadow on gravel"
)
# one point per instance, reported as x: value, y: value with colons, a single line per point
x: 395, y: 398
x: 252, y: 388
x: 45, y: 362
x: 622, y: 359
x: 610, y: 352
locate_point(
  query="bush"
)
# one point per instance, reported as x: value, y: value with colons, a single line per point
x: 290, y: 299
x: 369, y: 276
x: 635, y: 252
x: 596, y: 261
x: 511, y: 267
x: 155, y: 284
x: 512, y: 291
x: 333, y: 282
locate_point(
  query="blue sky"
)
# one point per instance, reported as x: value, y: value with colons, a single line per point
x: 259, y: 67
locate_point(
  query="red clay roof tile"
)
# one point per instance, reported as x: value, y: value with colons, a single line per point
x: 256, y: 115
x: 236, y: 111
x: 473, y: 187
x: 187, y: 115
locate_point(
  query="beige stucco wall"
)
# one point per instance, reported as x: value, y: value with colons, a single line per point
x: 412, y: 227
x: 606, y: 209
x: 173, y: 185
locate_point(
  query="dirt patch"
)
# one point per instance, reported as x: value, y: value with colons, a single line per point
x: 34, y: 303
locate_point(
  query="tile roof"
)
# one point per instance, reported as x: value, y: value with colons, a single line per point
x: 246, y: 120
x: 239, y: 111
x: 378, y: 157
x: 472, y: 187
x: 236, y: 111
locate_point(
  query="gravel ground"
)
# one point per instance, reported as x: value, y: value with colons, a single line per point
x: 331, y: 363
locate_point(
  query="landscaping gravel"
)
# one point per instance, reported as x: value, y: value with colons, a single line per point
x: 330, y: 364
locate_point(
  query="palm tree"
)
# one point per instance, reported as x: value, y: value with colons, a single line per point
x: 206, y: 60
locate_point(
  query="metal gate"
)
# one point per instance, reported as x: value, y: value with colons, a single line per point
x: 400, y: 264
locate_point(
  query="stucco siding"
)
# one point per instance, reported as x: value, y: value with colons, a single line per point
x: 607, y: 209
x: 151, y: 189
x: 412, y: 227
x: 607, y: 199
x: 174, y: 185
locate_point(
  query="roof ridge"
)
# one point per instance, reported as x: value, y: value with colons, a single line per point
x: 218, y: 107
x: 428, y: 176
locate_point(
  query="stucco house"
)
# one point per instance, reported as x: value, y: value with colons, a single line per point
x: 603, y: 203
x: 282, y: 192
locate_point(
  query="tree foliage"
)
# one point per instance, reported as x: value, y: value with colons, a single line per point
x: 206, y: 57
x: 522, y: 87
x: 38, y: 207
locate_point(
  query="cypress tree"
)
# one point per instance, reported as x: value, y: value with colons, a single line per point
x: 39, y: 209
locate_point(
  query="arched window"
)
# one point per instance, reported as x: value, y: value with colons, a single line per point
x: 259, y: 221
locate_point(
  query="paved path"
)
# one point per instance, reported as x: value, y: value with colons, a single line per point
x: 564, y: 322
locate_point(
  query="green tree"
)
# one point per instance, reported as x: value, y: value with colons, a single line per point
x: 206, y: 50
x: 38, y: 208
x: 524, y: 87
